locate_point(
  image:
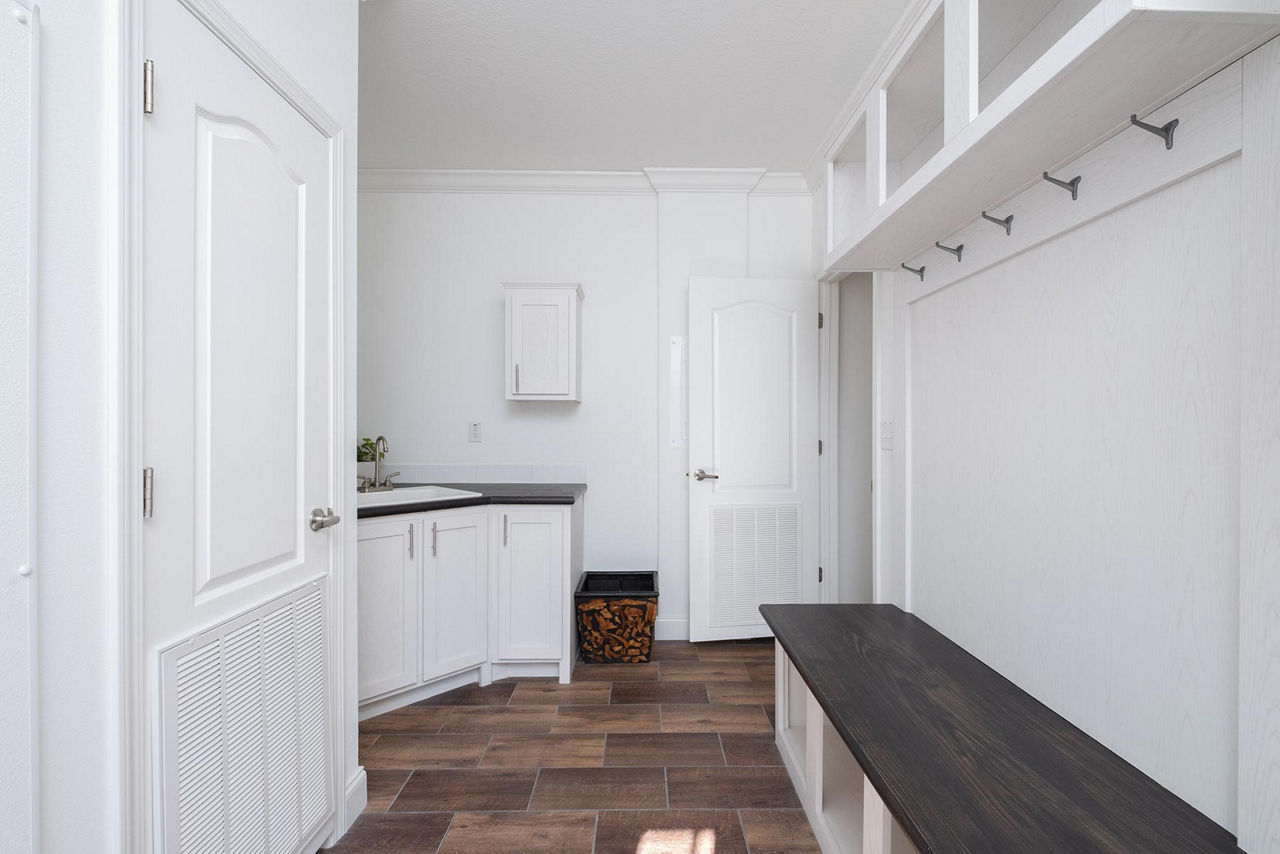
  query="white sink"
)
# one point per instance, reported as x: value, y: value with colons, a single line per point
x: 411, y: 495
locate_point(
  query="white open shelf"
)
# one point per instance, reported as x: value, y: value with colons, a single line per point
x: 1067, y: 74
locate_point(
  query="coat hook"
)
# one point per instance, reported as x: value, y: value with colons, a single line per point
x: 1006, y: 223
x: 957, y: 250
x: 1166, y: 132
x: 1073, y: 185
x: 919, y: 272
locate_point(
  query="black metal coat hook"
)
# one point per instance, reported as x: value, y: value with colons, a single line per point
x: 957, y: 250
x: 1073, y: 185
x: 1165, y: 133
x: 919, y: 272
x: 1006, y: 223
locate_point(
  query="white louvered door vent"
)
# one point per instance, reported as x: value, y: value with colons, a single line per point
x: 246, y: 743
x: 755, y: 560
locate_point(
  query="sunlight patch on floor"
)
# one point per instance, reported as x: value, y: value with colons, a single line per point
x: 677, y: 841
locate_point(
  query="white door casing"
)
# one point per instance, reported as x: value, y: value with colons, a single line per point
x: 238, y: 396
x: 753, y: 430
x: 19, y: 62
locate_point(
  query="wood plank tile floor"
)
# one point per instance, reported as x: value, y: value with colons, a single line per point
x: 671, y: 757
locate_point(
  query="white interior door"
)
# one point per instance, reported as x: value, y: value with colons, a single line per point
x: 238, y: 385
x: 753, y: 451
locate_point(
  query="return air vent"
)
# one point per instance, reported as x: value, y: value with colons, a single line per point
x: 246, y: 743
x: 755, y: 560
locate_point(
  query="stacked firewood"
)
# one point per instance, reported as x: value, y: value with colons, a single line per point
x: 617, y: 629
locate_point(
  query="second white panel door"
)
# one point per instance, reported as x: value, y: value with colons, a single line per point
x: 455, y: 590
x: 753, y: 452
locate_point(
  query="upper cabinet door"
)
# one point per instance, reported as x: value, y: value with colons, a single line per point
x: 543, y: 342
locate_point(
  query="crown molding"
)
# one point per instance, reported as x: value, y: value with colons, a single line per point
x: 815, y: 171
x: 502, y: 181
x: 654, y: 180
x: 782, y: 184
x: 680, y: 180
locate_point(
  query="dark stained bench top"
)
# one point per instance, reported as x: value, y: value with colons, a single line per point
x: 963, y: 758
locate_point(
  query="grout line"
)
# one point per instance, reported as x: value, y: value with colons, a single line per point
x: 723, y: 753
x: 399, y: 791
x: 452, y: 818
x: 666, y: 786
x: 743, y: 828
x: 595, y: 833
x: 533, y: 788
x: 485, y: 752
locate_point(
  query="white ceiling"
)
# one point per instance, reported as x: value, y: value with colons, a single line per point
x: 609, y: 84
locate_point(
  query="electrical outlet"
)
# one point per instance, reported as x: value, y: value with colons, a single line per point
x: 886, y: 435
x: 473, y: 431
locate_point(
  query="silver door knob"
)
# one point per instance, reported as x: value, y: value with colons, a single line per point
x: 321, y: 519
x: 702, y: 475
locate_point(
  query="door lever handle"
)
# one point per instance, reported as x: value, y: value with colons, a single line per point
x: 702, y: 475
x: 321, y: 519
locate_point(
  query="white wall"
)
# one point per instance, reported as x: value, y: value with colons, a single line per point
x: 431, y: 351
x: 856, y: 438
x: 79, y: 759
x: 431, y: 345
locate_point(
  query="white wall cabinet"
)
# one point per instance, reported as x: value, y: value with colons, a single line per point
x: 455, y: 604
x: 388, y: 601
x: 544, y: 342
x: 457, y: 596
x: 532, y: 556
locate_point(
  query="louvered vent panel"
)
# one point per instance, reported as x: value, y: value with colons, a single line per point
x: 755, y: 560
x: 246, y: 739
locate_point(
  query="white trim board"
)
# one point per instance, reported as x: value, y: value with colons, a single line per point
x: 650, y: 181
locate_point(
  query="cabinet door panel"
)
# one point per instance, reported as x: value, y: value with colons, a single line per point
x: 531, y: 593
x: 387, y: 588
x: 540, y: 342
x: 455, y: 632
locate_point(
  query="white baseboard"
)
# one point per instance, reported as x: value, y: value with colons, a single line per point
x: 357, y: 798
x: 671, y: 628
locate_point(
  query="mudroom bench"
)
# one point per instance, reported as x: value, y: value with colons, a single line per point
x: 899, y: 740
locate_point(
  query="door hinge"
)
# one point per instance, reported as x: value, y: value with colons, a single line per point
x: 819, y: 575
x: 819, y: 447
x: 148, y: 87
x: 148, y: 492
x: 821, y: 320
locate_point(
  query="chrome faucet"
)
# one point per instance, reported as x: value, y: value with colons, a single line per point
x: 378, y: 483
x: 380, y: 447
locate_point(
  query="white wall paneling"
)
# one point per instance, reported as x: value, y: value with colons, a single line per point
x: 1259, y: 747
x: 1060, y: 487
x: 19, y: 87
x: 436, y: 248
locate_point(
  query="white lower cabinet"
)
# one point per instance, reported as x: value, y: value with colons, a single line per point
x: 455, y: 591
x: 445, y: 597
x: 532, y: 557
x: 387, y: 607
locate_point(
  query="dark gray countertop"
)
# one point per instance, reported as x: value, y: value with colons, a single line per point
x: 490, y: 493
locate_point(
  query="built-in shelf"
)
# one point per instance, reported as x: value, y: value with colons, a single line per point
x: 1118, y: 58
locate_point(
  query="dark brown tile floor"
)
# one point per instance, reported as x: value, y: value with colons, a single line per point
x: 672, y: 757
